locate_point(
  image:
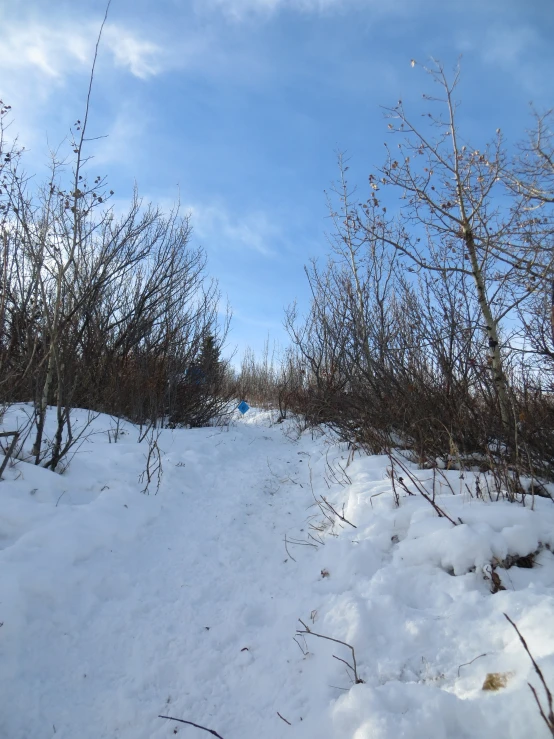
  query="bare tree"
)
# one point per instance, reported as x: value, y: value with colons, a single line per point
x: 104, y: 312
x: 452, y: 195
x: 413, y: 337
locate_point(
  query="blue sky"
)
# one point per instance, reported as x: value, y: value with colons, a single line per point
x: 238, y: 108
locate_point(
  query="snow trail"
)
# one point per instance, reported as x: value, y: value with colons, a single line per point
x: 187, y: 619
x: 116, y: 607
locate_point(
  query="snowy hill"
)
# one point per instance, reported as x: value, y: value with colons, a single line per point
x: 117, y: 607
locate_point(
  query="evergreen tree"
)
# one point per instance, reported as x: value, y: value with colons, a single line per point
x: 209, y: 361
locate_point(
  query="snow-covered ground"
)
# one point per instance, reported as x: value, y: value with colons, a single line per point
x: 117, y: 607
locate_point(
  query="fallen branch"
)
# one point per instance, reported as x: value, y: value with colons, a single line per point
x: 191, y: 723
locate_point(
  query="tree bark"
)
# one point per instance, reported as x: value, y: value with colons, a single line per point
x: 495, y: 358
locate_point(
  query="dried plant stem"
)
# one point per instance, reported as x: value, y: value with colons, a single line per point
x: 353, y: 667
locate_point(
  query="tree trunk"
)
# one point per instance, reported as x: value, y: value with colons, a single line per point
x: 43, y: 404
x: 495, y: 358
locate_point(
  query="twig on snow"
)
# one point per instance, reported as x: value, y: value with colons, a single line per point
x: 352, y: 666
x: 301, y: 543
x: 284, y: 719
x: 337, y: 514
x: 548, y: 720
x: 465, y: 664
x: 153, y: 463
x: 440, y: 512
x: 305, y: 651
x: 287, y: 549
x: 317, y: 541
x: 191, y: 723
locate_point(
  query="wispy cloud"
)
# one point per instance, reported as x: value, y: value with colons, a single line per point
x: 249, y: 320
x: 142, y: 57
x: 53, y: 50
x: 45, y: 49
x: 123, y: 137
x: 44, y: 65
x: 508, y: 46
x: 241, y: 9
x: 219, y: 229
x: 518, y: 50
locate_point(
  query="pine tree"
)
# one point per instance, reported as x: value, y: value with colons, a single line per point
x: 209, y: 361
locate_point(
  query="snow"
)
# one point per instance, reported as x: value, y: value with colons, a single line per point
x: 116, y: 606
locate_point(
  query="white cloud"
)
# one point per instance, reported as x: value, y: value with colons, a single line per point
x: 142, y: 57
x: 240, y: 9
x: 38, y: 59
x: 53, y: 50
x: 217, y: 228
x: 47, y: 50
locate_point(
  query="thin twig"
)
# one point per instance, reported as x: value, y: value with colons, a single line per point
x: 342, y: 518
x: 284, y: 719
x: 440, y: 512
x: 317, y: 541
x: 305, y: 652
x: 191, y: 723
x: 465, y: 664
x: 287, y: 549
x: 344, y: 472
x: 300, y: 543
x: 549, y: 720
x: 353, y: 667
x: 340, y: 659
x: 10, y: 449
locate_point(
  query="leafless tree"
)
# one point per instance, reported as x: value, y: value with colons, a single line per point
x: 97, y: 310
x: 414, y: 334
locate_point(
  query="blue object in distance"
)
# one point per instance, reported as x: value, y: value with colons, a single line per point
x: 243, y: 406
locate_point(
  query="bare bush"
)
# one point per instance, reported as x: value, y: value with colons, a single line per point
x: 275, y: 381
x: 431, y: 330
x: 112, y: 313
